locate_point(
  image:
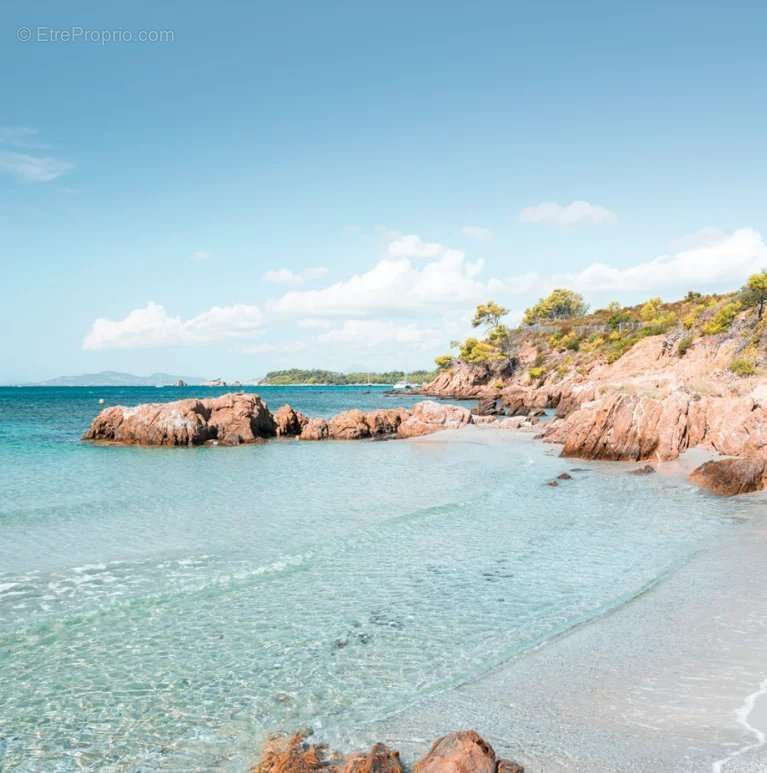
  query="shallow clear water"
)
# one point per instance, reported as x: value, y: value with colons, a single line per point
x: 164, y: 608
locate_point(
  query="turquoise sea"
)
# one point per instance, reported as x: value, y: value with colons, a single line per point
x: 164, y: 609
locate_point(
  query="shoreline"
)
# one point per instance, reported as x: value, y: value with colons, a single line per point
x: 671, y: 680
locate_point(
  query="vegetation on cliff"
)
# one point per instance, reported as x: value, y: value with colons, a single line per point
x: 300, y: 376
x: 560, y: 337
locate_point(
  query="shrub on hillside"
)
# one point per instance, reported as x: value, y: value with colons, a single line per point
x: 743, y: 367
x: 723, y: 318
x: 684, y: 345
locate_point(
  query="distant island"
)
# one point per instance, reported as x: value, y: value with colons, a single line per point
x: 116, y: 378
x: 300, y: 376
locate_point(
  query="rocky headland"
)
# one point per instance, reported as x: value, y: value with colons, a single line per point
x: 688, y: 377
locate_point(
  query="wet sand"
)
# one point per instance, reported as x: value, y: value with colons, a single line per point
x: 675, y: 681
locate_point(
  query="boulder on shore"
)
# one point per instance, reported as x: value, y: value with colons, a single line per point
x: 428, y: 417
x: 729, y: 477
x: 462, y: 752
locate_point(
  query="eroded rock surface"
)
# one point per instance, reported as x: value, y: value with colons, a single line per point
x: 462, y: 752
x: 315, y: 429
x: 244, y: 418
x: 230, y: 419
x: 289, y: 422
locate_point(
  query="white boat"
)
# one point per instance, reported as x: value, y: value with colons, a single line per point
x: 404, y: 385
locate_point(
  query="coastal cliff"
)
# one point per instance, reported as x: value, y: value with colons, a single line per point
x: 692, y: 380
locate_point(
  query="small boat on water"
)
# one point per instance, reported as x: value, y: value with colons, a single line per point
x: 404, y: 386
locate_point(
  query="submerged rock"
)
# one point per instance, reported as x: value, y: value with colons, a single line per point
x: 564, y: 476
x: 728, y: 477
x: 646, y: 469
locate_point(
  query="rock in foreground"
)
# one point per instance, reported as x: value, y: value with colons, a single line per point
x: 462, y: 752
x: 729, y: 477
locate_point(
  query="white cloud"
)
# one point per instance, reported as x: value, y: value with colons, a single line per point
x: 151, y: 326
x: 36, y: 169
x: 724, y: 262
x: 312, y: 323
x: 567, y: 214
x: 290, y: 346
x: 21, y: 137
x: 394, y: 286
x: 477, y: 232
x: 703, y: 237
x: 715, y: 261
x: 289, y: 277
x: 412, y: 246
x: 373, y: 333
x: 200, y: 255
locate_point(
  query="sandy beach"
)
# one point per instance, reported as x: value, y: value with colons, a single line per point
x: 672, y: 681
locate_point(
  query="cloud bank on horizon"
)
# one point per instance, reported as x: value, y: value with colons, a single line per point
x: 420, y: 294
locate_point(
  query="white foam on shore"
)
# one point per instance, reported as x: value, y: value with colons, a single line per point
x: 743, y: 714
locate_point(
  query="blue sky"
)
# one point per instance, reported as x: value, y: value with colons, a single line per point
x: 336, y: 184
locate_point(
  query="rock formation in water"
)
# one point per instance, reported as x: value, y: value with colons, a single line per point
x: 461, y: 752
x: 728, y: 477
x: 239, y: 418
x: 289, y: 422
x: 230, y: 420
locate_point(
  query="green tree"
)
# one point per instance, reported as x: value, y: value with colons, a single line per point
x: 559, y: 304
x: 489, y: 315
x: 444, y: 361
x: 500, y: 338
x: 476, y: 352
x: 755, y: 291
x: 651, y: 309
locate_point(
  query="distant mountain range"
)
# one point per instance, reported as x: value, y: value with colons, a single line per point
x: 115, y: 378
